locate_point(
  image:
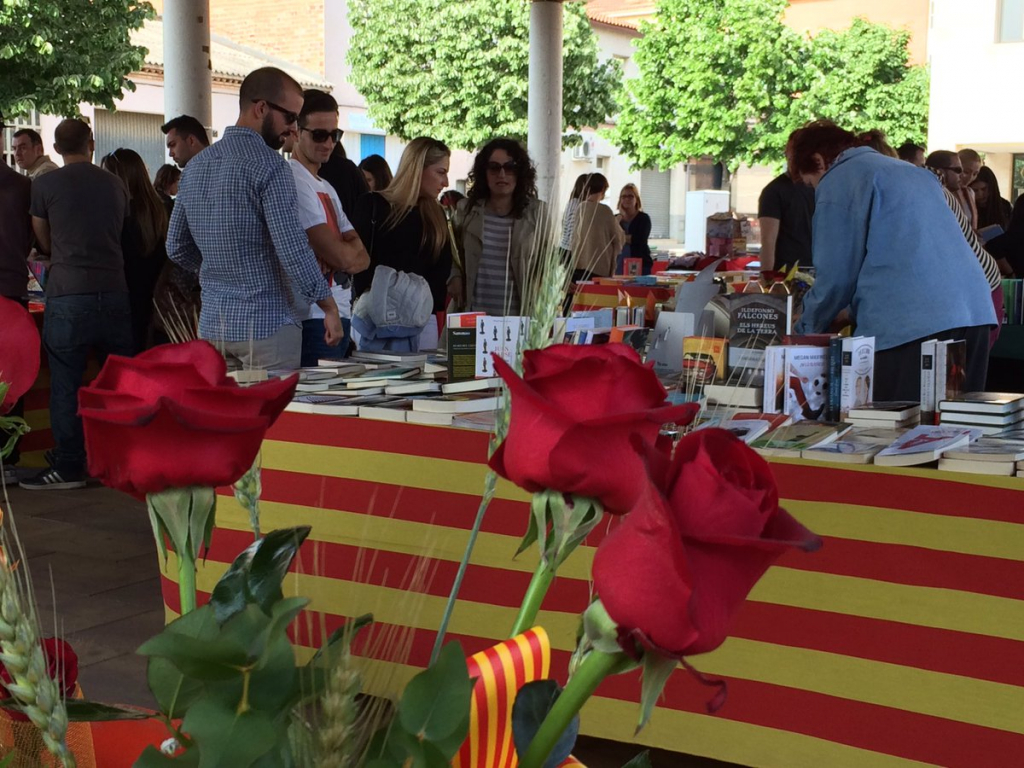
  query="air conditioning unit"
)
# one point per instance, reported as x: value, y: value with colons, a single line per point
x: 584, y: 151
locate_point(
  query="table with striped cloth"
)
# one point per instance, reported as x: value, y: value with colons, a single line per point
x: 900, y: 643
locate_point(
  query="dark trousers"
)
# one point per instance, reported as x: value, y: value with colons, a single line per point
x: 314, y: 347
x: 17, y: 410
x: 73, y: 326
x: 898, y: 370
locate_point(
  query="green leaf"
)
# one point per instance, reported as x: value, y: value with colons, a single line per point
x: 196, y: 648
x: 436, y: 701
x: 202, y: 515
x: 657, y: 670
x: 643, y: 760
x: 172, y: 508
x: 84, y: 711
x: 174, y: 693
x: 533, y: 702
x: 346, y: 633
x: 227, y: 738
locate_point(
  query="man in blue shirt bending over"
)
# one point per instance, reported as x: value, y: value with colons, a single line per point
x: 235, y: 223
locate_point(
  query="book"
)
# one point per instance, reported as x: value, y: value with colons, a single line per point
x: 856, y: 373
x: 462, y: 362
x: 792, y: 440
x: 835, y: 368
x: 754, y: 321
x: 806, y: 382
x: 635, y: 336
x: 950, y: 369
x: 888, y: 412
x: 1004, y: 420
x: 923, y: 444
x: 746, y: 430
x: 867, y: 423
x: 332, y: 405
x: 413, y: 388
x: 251, y: 376
x: 928, y: 399
x: 501, y: 336
x: 392, y: 410
x: 471, y: 402
x: 398, y: 358
x: 989, y: 449
x: 429, y: 419
x: 482, y: 422
x: 728, y: 395
x: 704, y: 360
x: 774, y: 379
x: 1004, y: 468
x: 848, y: 449
x: 985, y: 402
x: 473, y: 385
x: 380, y: 377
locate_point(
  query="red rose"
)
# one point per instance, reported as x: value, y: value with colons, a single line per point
x: 706, y: 527
x: 61, y: 666
x: 19, y: 352
x: 574, y: 413
x: 173, y: 418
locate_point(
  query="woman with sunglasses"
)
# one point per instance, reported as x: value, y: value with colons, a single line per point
x: 637, y: 226
x: 404, y: 227
x: 496, y: 229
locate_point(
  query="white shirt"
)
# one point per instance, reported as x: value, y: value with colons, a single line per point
x: 319, y: 204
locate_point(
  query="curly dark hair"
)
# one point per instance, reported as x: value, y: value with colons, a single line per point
x: 526, y: 175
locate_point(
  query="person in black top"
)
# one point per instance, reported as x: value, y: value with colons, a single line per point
x: 346, y: 178
x: 403, y: 226
x: 785, y: 210
x: 637, y: 226
x: 993, y: 209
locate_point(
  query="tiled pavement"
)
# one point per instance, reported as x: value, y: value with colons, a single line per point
x: 94, y: 568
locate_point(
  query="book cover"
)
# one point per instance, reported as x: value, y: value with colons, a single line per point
x: 857, y: 371
x: 461, y: 353
x: 923, y: 444
x: 704, y: 360
x: 729, y: 395
x: 774, y: 379
x: 806, y: 382
x: 632, y: 267
x: 846, y: 450
x: 501, y: 336
x: 955, y: 370
x: 928, y: 399
x: 754, y: 321
x: 799, y: 437
x: 835, y: 367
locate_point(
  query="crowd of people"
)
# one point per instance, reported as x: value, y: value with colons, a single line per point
x: 280, y: 263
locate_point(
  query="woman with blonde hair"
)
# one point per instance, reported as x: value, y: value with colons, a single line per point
x: 403, y: 226
x: 637, y: 226
x: 142, y: 240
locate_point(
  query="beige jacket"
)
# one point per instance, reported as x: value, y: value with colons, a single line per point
x: 469, y: 235
x: 597, y: 239
x: 43, y: 164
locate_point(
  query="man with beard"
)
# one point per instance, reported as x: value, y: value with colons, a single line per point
x: 235, y: 223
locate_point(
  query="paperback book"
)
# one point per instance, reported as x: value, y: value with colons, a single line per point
x: 806, y: 384
x: 856, y: 372
x: 924, y: 444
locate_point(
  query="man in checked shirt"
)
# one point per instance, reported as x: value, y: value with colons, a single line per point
x: 235, y: 224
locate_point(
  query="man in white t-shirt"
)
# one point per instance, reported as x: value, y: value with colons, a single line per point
x: 331, y: 236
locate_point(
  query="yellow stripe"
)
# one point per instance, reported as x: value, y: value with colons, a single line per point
x: 979, y: 702
x: 984, y: 538
x: 38, y: 419
x: 582, y: 301
x: 987, y: 481
x: 509, y: 694
x: 389, y: 468
x: 485, y: 731
x: 849, y: 595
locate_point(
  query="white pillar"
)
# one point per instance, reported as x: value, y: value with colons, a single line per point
x: 544, y: 132
x: 188, y: 72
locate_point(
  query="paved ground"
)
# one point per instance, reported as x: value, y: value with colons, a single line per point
x: 94, y: 567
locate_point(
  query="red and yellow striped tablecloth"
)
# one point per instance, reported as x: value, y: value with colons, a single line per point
x: 900, y: 643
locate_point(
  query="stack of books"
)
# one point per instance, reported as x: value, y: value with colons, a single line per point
x: 792, y: 440
x: 890, y: 415
x: 989, y: 412
x: 943, y: 371
x: 987, y: 456
x: 859, y: 445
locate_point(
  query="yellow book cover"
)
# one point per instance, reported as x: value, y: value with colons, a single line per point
x: 704, y: 359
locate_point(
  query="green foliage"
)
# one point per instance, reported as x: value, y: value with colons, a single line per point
x: 860, y: 78
x: 533, y: 702
x: 727, y: 78
x: 459, y: 71
x: 717, y: 77
x: 433, y: 716
x: 55, y: 54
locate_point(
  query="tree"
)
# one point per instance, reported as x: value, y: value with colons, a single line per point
x: 860, y: 79
x: 458, y: 71
x: 56, y: 54
x: 716, y: 78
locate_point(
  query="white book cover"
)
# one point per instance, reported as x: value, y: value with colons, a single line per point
x: 925, y: 443
x: 857, y: 373
x: 774, y: 379
x: 503, y: 336
x: 928, y: 400
x: 806, y: 382
x: 940, y: 377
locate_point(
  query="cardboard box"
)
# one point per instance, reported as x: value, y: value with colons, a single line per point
x: 726, y: 235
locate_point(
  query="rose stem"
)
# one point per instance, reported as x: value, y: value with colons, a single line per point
x: 595, y: 668
x: 187, y: 580
x: 534, y: 597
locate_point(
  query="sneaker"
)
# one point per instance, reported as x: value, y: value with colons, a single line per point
x: 10, y: 475
x: 52, y: 480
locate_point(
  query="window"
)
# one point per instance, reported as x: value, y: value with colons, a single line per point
x: 602, y: 162
x: 16, y: 124
x: 1011, y: 21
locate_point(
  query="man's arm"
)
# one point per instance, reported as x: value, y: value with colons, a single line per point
x: 41, y: 228
x: 769, y: 236
x: 279, y: 202
x: 181, y: 247
x: 346, y: 254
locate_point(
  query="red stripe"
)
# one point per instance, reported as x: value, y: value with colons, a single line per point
x: 37, y: 400
x: 936, y: 496
x: 36, y: 440
x: 388, y: 437
x: 940, y: 650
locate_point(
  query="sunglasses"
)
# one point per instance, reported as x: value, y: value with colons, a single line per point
x: 320, y: 135
x: 289, y: 116
x: 954, y: 170
x: 509, y: 167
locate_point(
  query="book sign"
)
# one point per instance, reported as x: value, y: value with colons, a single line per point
x: 501, y: 336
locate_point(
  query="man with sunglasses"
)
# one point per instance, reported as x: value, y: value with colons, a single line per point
x: 331, y: 236
x: 235, y: 223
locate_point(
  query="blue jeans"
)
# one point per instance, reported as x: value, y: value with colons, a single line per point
x: 313, y: 345
x: 71, y: 327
